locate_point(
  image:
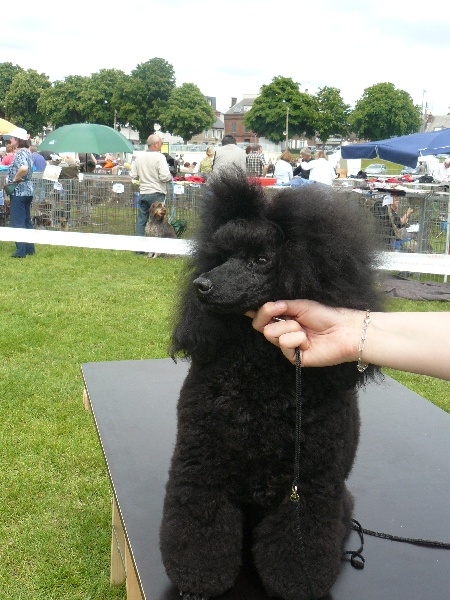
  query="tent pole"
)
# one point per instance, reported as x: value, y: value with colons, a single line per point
x: 447, y: 233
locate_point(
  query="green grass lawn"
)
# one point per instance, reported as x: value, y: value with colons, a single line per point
x: 62, y: 308
x: 392, y: 168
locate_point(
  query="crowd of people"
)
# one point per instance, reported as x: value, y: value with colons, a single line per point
x: 325, y: 336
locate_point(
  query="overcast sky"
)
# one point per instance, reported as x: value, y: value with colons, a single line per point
x: 232, y: 48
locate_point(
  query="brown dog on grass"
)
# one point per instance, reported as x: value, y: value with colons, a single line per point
x: 157, y: 225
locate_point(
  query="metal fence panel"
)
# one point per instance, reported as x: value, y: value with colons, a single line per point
x: 108, y: 204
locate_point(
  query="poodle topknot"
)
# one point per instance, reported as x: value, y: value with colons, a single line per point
x: 227, y: 498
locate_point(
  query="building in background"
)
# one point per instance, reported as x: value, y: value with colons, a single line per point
x: 436, y: 122
x: 214, y: 135
x: 234, y: 120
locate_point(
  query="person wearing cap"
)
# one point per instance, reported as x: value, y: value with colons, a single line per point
x: 390, y: 225
x: 21, y: 171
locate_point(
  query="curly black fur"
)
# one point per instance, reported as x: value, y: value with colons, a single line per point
x: 232, y: 467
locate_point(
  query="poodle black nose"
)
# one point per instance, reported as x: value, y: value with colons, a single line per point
x: 203, y: 285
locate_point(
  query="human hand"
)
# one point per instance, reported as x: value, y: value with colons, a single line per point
x: 326, y: 336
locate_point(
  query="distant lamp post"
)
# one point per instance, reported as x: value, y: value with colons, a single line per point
x: 424, y: 110
x: 287, y: 125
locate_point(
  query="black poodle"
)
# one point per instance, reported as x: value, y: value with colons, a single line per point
x: 232, y: 470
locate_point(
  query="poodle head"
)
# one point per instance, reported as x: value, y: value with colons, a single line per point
x: 239, y: 244
x: 310, y: 242
x: 246, y: 274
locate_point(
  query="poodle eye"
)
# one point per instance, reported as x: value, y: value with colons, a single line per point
x: 258, y: 261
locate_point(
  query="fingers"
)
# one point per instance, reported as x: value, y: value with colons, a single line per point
x: 266, y: 313
x: 285, y: 333
x: 288, y: 343
x: 275, y: 330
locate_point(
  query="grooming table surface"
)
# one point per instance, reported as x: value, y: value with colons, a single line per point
x: 400, y: 481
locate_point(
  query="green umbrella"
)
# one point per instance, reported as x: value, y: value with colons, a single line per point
x: 86, y: 137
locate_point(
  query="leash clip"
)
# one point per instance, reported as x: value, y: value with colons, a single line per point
x: 294, y: 494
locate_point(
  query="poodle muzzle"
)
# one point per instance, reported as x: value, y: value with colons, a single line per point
x: 234, y: 289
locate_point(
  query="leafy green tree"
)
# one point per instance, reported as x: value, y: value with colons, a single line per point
x: 22, y: 98
x: 155, y: 81
x: 188, y: 113
x: 61, y: 103
x: 97, y: 96
x: 7, y: 73
x: 129, y: 98
x: 332, y: 117
x: 384, y: 111
x: 267, y: 117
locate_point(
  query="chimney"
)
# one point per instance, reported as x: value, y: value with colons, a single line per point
x: 233, y: 101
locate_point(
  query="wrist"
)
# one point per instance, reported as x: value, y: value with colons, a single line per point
x: 362, y: 364
x: 352, y: 332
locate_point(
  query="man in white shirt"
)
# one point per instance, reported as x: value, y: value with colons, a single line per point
x: 443, y: 171
x: 152, y: 170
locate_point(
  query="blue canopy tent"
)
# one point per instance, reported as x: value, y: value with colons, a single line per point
x: 404, y: 150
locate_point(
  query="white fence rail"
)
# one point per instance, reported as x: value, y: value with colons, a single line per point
x: 438, y: 264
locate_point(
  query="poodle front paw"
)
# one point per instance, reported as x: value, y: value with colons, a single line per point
x: 188, y: 596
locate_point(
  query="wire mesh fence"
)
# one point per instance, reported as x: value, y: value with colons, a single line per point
x: 426, y: 228
x: 100, y: 204
x: 108, y: 204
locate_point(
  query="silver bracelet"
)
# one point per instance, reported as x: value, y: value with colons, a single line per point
x: 362, y: 366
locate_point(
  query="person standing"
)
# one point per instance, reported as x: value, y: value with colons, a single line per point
x: 152, y: 170
x: 206, y: 165
x: 320, y: 169
x: 9, y: 156
x: 21, y: 171
x: 39, y: 161
x: 228, y: 155
x: 256, y: 163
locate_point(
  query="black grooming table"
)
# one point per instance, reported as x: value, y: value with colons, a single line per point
x: 401, y: 481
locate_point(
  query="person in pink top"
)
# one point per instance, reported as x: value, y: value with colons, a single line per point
x: 7, y: 160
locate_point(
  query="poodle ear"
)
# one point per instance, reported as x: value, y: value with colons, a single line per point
x: 229, y: 196
x: 329, y: 252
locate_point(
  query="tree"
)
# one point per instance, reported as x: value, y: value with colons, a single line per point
x: 61, y: 103
x: 7, y: 73
x: 129, y: 98
x: 267, y: 117
x: 97, y: 96
x: 188, y: 113
x: 383, y: 112
x: 155, y: 80
x: 332, y: 117
x: 22, y: 98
